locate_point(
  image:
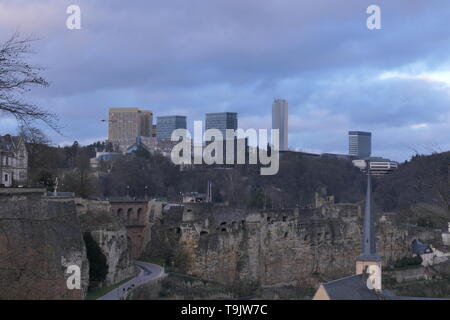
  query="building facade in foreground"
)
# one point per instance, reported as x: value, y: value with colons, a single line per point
x: 13, y: 161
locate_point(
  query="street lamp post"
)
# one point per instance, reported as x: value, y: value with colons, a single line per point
x: 146, y: 196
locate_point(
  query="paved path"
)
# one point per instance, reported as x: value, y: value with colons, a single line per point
x: 149, y: 271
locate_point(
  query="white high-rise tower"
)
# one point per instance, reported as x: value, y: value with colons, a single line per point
x: 280, y: 121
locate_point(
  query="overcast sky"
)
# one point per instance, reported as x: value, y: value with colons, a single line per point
x: 197, y: 56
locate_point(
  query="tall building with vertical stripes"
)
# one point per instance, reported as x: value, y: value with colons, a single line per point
x: 360, y: 144
x: 167, y: 124
x: 280, y: 121
x: 129, y: 123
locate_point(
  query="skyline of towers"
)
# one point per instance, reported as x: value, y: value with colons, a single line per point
x: 360, y: 144
x: 280, y: 115
x: 130, y: 122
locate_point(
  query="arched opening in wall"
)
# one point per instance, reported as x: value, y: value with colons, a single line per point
x: 129, y: 214
x: 139, y: 216
x: 120, y: 214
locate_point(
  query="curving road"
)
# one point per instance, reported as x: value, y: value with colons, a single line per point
x: 149, y: 272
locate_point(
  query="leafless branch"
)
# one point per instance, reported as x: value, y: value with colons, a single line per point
x: 18, y: 77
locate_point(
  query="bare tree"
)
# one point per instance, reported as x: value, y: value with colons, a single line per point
x: 16, y: 78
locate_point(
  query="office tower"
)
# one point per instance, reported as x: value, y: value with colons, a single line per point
x: 221, y: 121
x: 360, y: 144
x: 280, y: 121
x: 153, y: 130
x: 166, y: 125
x: 129, y: 123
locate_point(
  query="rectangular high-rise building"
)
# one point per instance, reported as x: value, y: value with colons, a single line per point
x: 280, y: 121
x: 360, y: 144
x: 167, y: 124
x: 129, y: 123
x: 221, y: 121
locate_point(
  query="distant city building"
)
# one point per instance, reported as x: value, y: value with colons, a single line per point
x: 13, y: 161
x: 221, y: 121
x: 280, y: 121
x: 151, y: 144
x: 129, y: 123
x: 167, y: 124
x: 194, y: 197
x: 103, y: 156
x: 360, y: 144
x: 138, y: 145
x: 154, y: 130
x: 378, y: 166
x: 337, y: 156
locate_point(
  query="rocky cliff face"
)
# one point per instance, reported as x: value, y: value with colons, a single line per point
x: 115, y: 247
x: 39, y: 239
x: 292, y: 247
x: 110, y: 235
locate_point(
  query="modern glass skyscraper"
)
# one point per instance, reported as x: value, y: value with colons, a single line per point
x: 221, y: 121
x: 167, y: 124
x: 280, y: 121
x: 360, y: 144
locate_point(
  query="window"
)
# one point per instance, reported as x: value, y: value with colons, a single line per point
x: 6, y: 178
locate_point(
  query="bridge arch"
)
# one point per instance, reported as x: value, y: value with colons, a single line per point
x: 130, y: 213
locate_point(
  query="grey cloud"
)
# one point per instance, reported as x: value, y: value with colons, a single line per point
x: 197, y: 56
